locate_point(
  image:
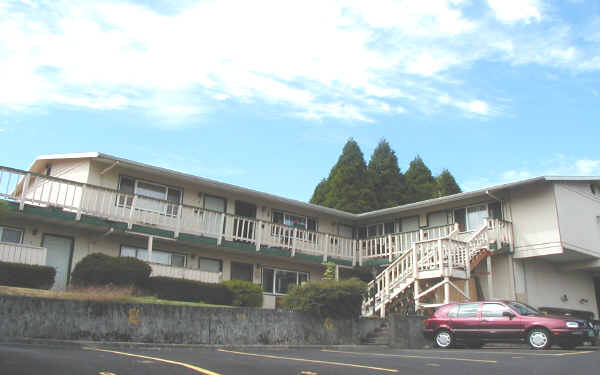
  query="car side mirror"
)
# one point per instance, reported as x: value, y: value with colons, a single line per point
x: 510, y: 314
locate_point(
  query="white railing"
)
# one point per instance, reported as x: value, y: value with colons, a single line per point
x: 20, y: 253
x: 185, y: 273
x: 83, y: 199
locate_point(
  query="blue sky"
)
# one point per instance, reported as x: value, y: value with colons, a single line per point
x: 264, y: 94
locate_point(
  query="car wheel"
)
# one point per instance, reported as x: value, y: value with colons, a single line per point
x: 443, y: 339
x: 539, y: 338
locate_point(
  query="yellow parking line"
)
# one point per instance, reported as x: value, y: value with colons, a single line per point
x: 536, y: 353
x: 186, y: 365
x: 309, y: 360
x: 412, y: 356
x: 575, y: 353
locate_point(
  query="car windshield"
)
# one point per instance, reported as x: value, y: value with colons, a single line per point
x: 523, y: 309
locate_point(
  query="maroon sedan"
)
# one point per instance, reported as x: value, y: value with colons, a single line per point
x: 474, y: 323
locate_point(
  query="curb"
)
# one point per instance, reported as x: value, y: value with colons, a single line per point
x: 150, y: 345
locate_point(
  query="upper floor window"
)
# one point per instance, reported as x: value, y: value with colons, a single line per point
x: 409, y: 224
x: 294, y: 220
x: 12, y: 235
x: 155, y: 191
x: 472, y: 218
x: 158, y: 256
x: 437, y: 219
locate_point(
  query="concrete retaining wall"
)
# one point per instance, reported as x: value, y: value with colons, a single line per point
x: 108, y: 321
x: 407, y: 332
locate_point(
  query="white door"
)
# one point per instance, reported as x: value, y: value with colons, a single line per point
x: 58, y: 256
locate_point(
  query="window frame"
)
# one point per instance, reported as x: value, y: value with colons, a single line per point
x: 287, y: 213
x: 213, y: 259
x: 21, y: 230
x: 466, y: 208
x: 136, y: 181
x: 274, y: 286
x: 171, y: 253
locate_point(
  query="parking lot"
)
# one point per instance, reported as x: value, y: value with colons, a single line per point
x: 47, y: 360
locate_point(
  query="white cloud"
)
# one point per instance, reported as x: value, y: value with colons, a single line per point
x: 510, y: 11
x: 356, y: 59
x: 587, y: 167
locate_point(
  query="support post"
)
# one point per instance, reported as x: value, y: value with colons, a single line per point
x: 440, y: 254
x: 131, y: 210
x: 178, y: 224
x: 258, y: 237
x: 24, y: 191
x: 81, y: 200
x: 417, y: 291
x: 356, y: 245
x: 390, y: 248
x: 150, y: 244
x: 446, y: 290
x: 326, y: 250
x: 221, y: 229
x: 293, y: 242
x: 490, y: 278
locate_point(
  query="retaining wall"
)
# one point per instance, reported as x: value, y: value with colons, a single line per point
x: 109, y: 321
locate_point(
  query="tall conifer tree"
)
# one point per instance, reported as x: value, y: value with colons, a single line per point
x: 447, y: 184
x: 384, y: 173
x: 347, y: 187
x: 419, y: 181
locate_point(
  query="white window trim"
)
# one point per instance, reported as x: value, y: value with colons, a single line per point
x: 164, y: 199
x: 467, y: 230
x: 284, y: 213
x: 185, y: 257
x: 274, y: 292
x: 2, y: 227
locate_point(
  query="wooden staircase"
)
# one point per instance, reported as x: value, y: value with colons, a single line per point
x: 446, y: 259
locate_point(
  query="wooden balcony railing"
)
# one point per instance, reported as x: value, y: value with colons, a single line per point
x: 21, y: 253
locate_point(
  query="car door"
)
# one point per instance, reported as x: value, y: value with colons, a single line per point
x: 496, y: 325
x: 466, y: 322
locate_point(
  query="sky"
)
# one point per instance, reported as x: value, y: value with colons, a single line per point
x: 264, y: 94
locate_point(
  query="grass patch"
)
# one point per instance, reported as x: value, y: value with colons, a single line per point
x: 100, y: 294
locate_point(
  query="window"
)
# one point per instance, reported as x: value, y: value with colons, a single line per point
x: 468, y: 310
x: 210, y: 265
x: 380, y: 229
x: 471, y: 218
x: 241, y: 271
x: 158, y: 256
x: 279, y: 281
x: 409, y: 224
x: 11, y: 235
x: 214, y: 203
x: 493, y: 310
x: 345, y: 230
x: 437, y: 219
x: 294, y: 220
x: 453, y: 312
x: 159, y: 194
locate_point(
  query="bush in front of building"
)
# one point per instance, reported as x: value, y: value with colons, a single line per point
x: 26, y: 275
x: 99, y: 269
x: 245, y: 293
x: 189, y: 290
x: 328, y: 299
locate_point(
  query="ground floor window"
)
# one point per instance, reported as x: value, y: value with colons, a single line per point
x: 158, y: 256
x: 278, y: 281
x: 11, y: 235
x: 210, y: 265
x: 241, y: 271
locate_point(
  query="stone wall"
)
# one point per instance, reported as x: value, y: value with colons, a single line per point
x: 108, y: 321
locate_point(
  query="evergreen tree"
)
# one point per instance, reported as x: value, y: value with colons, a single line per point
x: 447, y: 184
x: 347, y: 187
x: 419, y: 181
x: 320, y: 194
x: 384, y: 173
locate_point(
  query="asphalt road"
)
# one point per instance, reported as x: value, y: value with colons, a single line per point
x: 55, y: 360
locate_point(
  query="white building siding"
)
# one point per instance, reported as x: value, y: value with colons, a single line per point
x: 535, y: 221
x: 579, y: 217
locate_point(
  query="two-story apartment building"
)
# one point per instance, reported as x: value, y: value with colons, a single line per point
x: 536, y: 240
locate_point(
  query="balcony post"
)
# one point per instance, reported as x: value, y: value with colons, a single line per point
x: 81, y: 201
x: 446, y: 290
x: 440, y: 254
x: 221, y: 229
x: 390, y: 249
x: 178, y: 224
x: 24, y: 191
x: 490, y: 278
x: 131, y: 210
x: 356, y: 245
x: 326, y: 248
x: 259, y: 232
x: 293, y: 241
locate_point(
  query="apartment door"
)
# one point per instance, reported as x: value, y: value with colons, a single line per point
x: 243, y: 225
x: 59, y: 251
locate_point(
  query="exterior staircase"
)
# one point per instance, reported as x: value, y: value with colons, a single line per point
x: 448, y: 258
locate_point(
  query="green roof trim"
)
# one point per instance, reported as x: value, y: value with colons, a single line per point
x: 152, y: 231
x: 275, y: 251
x: 313, y: 258
x: 198, y: 239
x: 341, y: 262
x: 52, y: 212
x: 376, y: 262
x: 239, y: 245
x: 103, y: 222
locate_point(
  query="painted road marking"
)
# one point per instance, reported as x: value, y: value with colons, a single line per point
x: 106, y: 373
x: 309, y: 360
x: 308, y: 373
x: 535, y: 353
x: 413, y: 356
x: 516, y: 357
x: 186, y: 365
x: 433, y: 364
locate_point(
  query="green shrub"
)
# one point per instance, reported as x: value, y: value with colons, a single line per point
x: 26, y: 275
x: 99, y: 269
x: 189, y: 290
x: 245, y: 293
x: 328, y: 299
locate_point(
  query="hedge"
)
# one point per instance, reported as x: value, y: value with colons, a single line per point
x: 100, y: 269
x: 26, y: 275
x: 190, y: 290
x: 328, y: 299
x: 245, y: 293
